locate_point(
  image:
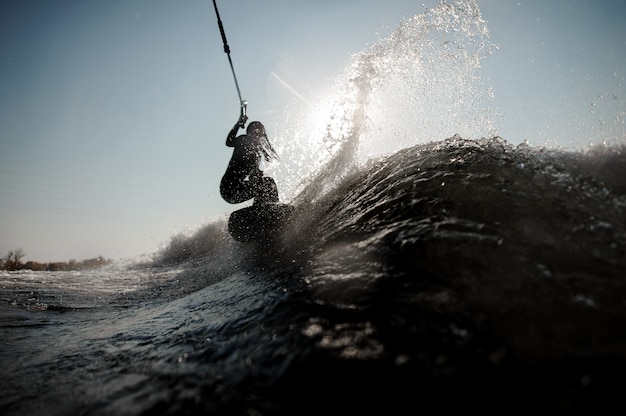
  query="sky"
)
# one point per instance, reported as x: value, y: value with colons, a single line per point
x: 113, y: 113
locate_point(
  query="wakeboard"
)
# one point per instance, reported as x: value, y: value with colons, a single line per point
x: 258, y: 223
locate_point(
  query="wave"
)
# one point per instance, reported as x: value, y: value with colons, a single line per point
x: 486, y: 191
x: 461, y: 268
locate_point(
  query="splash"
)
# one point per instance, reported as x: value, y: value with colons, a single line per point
x: 420, y: 84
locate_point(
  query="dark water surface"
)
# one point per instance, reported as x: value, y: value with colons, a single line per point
x: 453, y: 276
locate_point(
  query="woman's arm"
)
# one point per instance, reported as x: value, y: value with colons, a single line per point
x: 232, y: 135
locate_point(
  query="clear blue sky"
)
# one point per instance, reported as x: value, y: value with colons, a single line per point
x: 113, y: 113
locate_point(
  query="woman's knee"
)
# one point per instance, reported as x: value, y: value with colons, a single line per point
x: 235, y: 192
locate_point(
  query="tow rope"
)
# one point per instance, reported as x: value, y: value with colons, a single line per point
x: 242, y: 102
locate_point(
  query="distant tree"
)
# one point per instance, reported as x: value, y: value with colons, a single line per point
x: 35, y: 266
x: 13, y: 260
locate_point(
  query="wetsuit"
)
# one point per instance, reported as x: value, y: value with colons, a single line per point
x: 244, y: 179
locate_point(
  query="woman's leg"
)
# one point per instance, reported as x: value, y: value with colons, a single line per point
x: 267, y: 191
x: 236, y: 192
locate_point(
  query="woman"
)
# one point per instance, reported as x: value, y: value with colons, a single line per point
x: 244, y: 179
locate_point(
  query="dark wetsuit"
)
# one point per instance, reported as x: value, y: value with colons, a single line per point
x: 244, y: 179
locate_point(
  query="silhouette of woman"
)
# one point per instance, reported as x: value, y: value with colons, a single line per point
x: 244, y: 179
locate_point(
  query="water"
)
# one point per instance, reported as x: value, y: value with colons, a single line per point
x: 445, y: 273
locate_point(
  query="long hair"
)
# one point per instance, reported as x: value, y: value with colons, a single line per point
x: 256, y: 129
